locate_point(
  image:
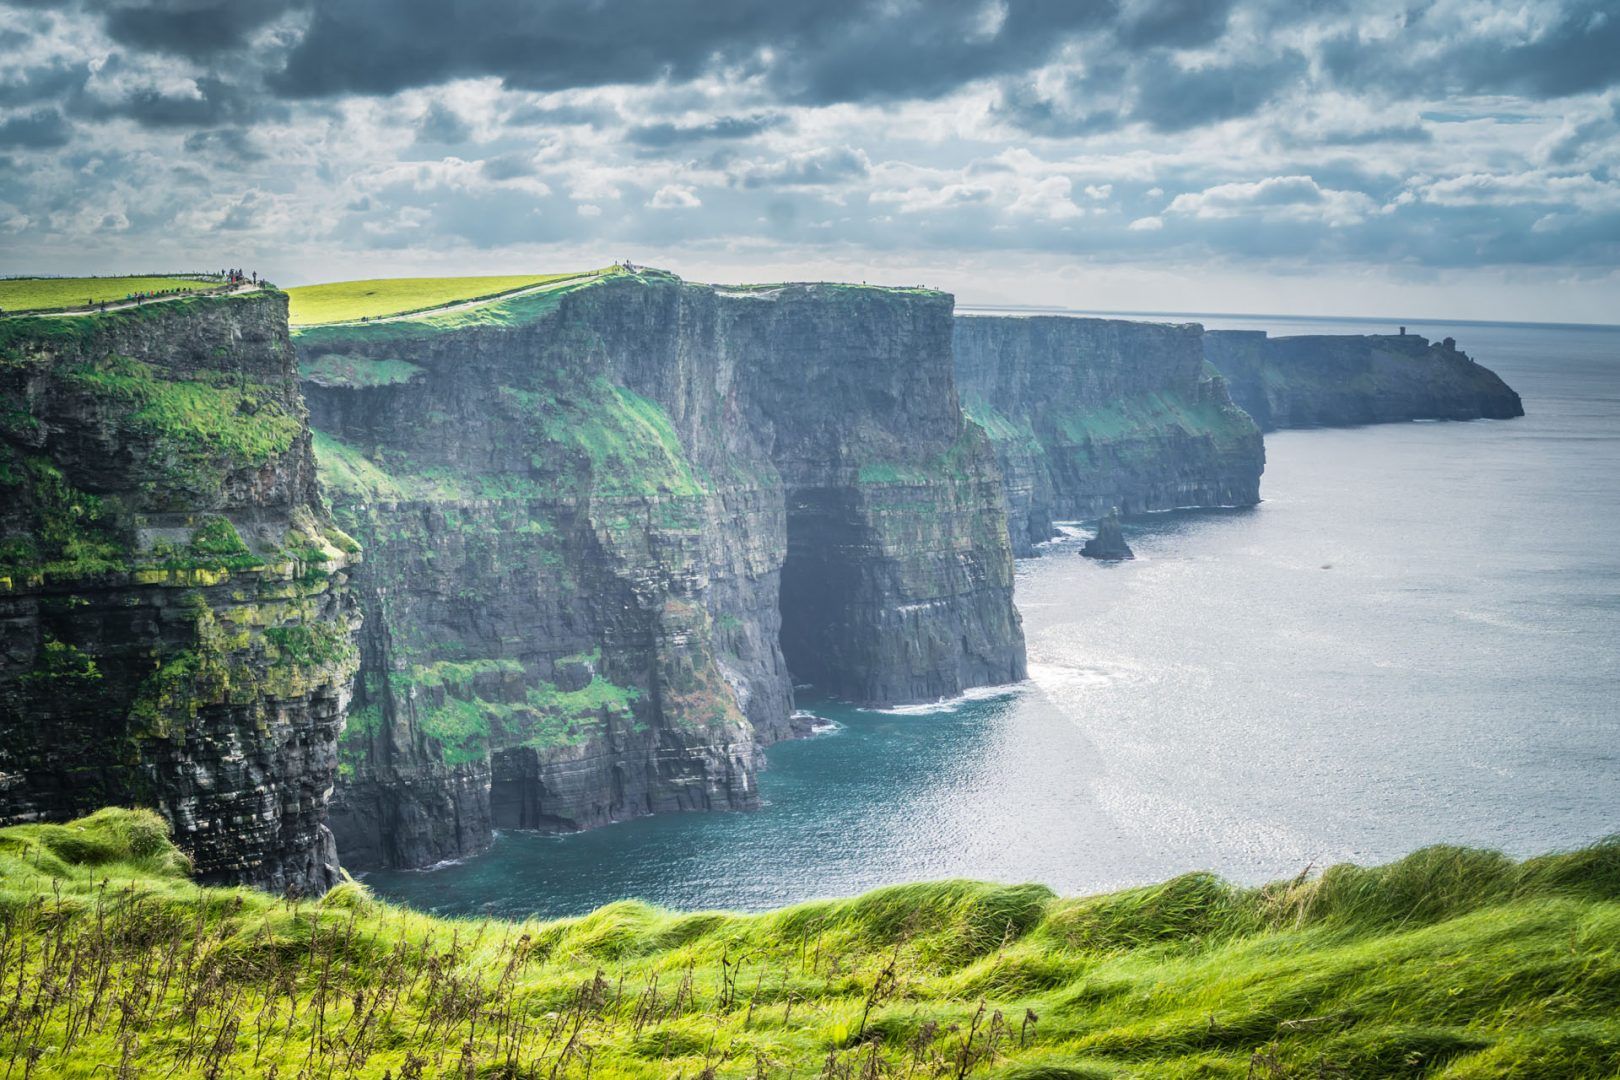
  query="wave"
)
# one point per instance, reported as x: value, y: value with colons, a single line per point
x: 972, y: 694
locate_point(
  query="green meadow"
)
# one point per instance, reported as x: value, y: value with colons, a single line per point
x: 1449, y: 963
x: 346, y: 301
x: 22, y: 294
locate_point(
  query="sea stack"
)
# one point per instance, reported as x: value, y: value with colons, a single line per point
x: 1109, y: 543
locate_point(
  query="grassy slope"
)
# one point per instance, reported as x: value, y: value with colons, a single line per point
x: 1450, y: 963
x: 340, y: 301
x: 18, y: 294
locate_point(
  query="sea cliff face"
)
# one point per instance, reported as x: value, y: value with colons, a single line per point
x: 1337, y: 380
x: 1089, y: 414
x: 604, y: 525
x: 175, y: 622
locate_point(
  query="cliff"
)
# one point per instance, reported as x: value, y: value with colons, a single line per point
x: 605, y: 522
x: 1089, y: 414
x: 175, y: 625
x: 1337, y: 380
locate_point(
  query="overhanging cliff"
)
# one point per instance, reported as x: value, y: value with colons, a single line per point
x: 1330, y: 380
x: 1089, y: 414
x: 605, y: 521
x: 175, y: 624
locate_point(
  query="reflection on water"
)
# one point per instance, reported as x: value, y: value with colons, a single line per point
x: 1412, y: 640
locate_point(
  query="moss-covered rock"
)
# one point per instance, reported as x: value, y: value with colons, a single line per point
x: 175, y: 624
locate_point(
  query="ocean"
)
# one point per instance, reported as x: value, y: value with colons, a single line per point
x: 1414, y: 639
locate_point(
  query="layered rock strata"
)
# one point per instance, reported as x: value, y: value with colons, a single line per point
x: 1324, y: 380
x: 176, y: 629
x: 1089, y: 414
x: 604, y: 523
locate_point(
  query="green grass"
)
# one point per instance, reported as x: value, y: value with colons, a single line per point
x: 346, y: 301
x: 1448, y: 964
x: 202, y: 427
x: 20, y: 294
x: 497, y: 313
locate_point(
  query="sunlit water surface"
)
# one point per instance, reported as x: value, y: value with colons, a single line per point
x: 1414, y: 639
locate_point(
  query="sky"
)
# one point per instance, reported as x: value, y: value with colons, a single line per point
x: 1450, y: 158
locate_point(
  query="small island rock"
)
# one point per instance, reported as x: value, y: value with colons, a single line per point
x: 1109, y: 543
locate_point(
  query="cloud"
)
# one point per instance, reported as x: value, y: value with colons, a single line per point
x: 42, y: 129
x: 674, y: 197
x: 663, y: 135
x: 812, y: 168
x: 1580, y: 191
x: 442, y: 125
x: 1230, y: 134
x: 191, y: 28
x: 1294, y: 198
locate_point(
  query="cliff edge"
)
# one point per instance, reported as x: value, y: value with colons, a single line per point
x: 1090, y: 414
x: 1325, y: 380
x: 175, y: 621
x: 610, y: 524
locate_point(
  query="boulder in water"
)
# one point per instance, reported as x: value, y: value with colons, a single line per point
x: 1109, y: 543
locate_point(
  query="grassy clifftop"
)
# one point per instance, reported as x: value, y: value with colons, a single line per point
x: 1449, y: 963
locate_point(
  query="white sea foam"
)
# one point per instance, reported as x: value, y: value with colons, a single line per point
x: 977, y: 693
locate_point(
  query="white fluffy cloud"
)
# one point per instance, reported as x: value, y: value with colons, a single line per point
x: 1242, y: 137
x: 1290, y: 198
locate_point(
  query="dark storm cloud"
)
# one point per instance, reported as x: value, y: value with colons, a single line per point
x: 1578, y: 53
x: 1182, y: 23
x: 215, y: 101
x: 835, y: 50
x: 43, y: 129
x: 191, y: 28
x: 1172, y: 99
x: 53, y: 81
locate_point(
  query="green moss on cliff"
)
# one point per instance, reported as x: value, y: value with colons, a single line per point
x: 356, y: 372
x: 64, y: 665
x: 58, y: 531
x: 455, y: 707
x: 1451, y: 963
x: 194, y: 431
x: 1147, y: 415
x: 354, y: 744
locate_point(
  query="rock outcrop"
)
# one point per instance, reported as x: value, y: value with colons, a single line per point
x: 176, y: 629
x: 1088, y: 414
x: 1109, y: 544
x: 1324, y: 380
x: 604, y: 523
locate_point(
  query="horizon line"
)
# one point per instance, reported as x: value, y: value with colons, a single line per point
x: 1394, y: 320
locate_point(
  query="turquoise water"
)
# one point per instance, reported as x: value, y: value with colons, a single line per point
x: 1414, y: 639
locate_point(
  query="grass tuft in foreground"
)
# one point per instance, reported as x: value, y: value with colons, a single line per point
x: 1450, y: 963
